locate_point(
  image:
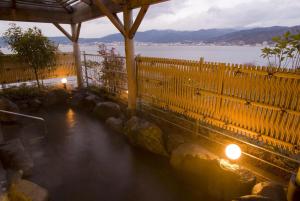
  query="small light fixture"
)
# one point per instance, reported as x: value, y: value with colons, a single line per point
x: 64, y: 82
x: 126, y: 91
x: 233, y: 152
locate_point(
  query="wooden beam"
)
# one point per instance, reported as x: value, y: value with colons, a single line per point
x: 112, y: 17
x: 132, y: 4
x: 64, y: 31
x: 138, y: 21
x: 89, y: 2
x: 69, y: 9
x: 35, y: 15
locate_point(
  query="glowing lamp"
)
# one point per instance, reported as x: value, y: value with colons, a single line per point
x: 233, y: 152
x: 64, y: 80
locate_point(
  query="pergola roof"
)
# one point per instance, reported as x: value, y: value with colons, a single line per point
x: 63, y: 11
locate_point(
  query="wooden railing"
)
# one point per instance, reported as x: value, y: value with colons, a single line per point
x: 259, y: 103
x: 13, y: 71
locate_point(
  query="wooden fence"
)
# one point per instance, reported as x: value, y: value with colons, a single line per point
x: 13, y: 71
x: 257, y: 102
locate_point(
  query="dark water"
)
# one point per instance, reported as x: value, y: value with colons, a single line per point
x: 81, y: 160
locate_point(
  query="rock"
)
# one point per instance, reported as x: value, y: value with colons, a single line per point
x: 4, y: 197
x: 188, y: 149
x: 269, y: 189
x: 77, y: 98
x: 35, y: 104
x: 253, y: 198
x: 14, y: 156
x: 199, y: 167
x: 173, y: 141
x: 25, y: 190
x: 7, y: 105
x: 105, y: 110
x: 145, y: 135
x: 56, y: 97
x: 90, y: 101
x: 115, y: 124
x: 3, y: 179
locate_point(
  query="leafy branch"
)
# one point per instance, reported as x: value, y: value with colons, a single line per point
x: 285, y: 53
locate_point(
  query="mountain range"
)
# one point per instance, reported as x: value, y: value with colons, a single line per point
x: 218, y: 36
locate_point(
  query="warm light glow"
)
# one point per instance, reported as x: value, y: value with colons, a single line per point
x: 64, y: 80
x: 127, y: 91
x: 233, y: 151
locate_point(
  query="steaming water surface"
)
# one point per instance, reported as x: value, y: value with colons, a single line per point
x: 82, y: 160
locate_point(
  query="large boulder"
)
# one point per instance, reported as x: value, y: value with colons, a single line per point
x: 24, y: 190
x: 77, y: 98
x: 35, y: 104
x: 105, y: 110
x: 272, y: 190
x: 252, y: 198
x: 115, y: 124
x: 90, y: 101
x: 14, y: 156
x: 56, y: 97
x: 145, y: 135
x: 173, y: 141
x: 3, y: 179
x: 199, y: 167
x: 8, y: 105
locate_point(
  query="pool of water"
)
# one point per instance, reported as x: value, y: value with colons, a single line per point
x: 82, y: 160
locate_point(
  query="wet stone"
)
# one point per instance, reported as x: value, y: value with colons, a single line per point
x: 29, y: 191
x: 115, y: 124
x: 8, y: 105
x: 222, y: 180
x: 272, y: 190
x: 56, y: 97
x: 90, y: 101
x: 253, y: 198
x: 15, y: 157
x: 173, y: 141
x: 146, y: 135
x: 105, y: 110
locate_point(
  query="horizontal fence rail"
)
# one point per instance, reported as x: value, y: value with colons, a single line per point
x: 259, y: 103
x: 13, y: 71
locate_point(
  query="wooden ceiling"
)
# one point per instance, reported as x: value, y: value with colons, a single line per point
x: 63, y: 11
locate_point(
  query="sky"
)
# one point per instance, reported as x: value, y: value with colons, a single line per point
x: 195, y: 15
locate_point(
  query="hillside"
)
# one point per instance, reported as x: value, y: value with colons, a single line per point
x: 253, y: 36
x: 218, y: 36
x: 172, y: 36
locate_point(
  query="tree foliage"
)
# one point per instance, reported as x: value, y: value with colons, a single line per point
x: 112, y: 75
x: 31, y: 47
x: 285, y: 53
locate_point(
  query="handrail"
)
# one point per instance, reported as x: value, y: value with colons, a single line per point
x: 22, y: 115
x: 27, y: 116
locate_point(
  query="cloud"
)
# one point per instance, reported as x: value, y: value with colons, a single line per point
x: 197, y: 14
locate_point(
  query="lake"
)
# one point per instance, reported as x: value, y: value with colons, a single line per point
x: 227, y: 54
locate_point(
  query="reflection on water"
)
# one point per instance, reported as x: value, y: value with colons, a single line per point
x: 82, y: 160
x: 70, y: 118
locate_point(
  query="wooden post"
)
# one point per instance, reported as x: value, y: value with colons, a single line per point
x: 130, y: 62
x: 76, y: 52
